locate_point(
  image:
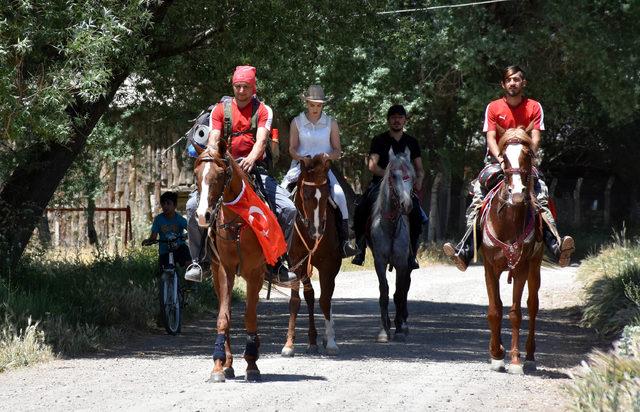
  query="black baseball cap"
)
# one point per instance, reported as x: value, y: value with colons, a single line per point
x: 396, y: 109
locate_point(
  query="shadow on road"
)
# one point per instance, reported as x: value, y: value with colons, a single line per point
x: 439, y: 332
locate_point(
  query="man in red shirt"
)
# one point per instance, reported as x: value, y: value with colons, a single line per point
x: 248, y: 146
x: 511, y: 111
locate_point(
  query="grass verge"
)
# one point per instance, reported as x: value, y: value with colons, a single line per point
x: 82, y: 305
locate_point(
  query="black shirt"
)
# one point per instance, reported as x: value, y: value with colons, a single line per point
x: 381, y: 144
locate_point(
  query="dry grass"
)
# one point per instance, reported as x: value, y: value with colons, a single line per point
x: 22, y: 347
x: 610, y: 381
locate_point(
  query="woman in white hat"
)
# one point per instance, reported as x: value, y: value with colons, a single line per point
x: 314, y: 132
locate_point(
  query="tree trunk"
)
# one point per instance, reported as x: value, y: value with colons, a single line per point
x: 31, y: 184
x: 434, y: 218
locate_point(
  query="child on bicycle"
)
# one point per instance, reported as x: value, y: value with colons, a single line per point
x: 169, y: 224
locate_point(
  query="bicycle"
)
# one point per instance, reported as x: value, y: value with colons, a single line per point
x: 171, y: 294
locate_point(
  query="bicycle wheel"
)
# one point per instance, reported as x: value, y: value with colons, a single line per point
x: 171, y: 303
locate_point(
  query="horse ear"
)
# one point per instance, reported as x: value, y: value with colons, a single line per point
x: 392, y: 154
x: 199, y: 149
x: 500, y: 130
x: 529, y: 128
x: 222, y: 146
x: 407, y: 152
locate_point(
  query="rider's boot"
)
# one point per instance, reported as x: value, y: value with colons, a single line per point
x: 279, y: 272
x: 361, y: 245
x: 194, y: 272
x: 561, y: 250
x: 346, y: 247
x: 462, y: 256
x: 413, y: 253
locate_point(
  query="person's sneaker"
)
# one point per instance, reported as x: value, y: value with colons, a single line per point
x: 279, y: 273
x: 193, y: 273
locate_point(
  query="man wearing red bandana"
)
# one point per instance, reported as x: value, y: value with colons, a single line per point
x: 248, y: 149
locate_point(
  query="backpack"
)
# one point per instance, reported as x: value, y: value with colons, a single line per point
x: 202, y: 126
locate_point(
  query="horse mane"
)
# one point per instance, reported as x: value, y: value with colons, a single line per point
x: 382, y: 202
x: 514, y: 134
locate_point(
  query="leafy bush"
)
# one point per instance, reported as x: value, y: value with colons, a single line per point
x: 612, y: 288
x: 610, y: 381
x: 84, y: 304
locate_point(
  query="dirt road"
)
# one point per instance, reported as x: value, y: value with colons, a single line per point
x: 443, y: 365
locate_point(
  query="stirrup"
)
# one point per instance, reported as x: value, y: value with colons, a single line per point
x: 194, y: 272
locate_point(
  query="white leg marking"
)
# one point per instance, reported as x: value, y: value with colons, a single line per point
x: 330, y: 337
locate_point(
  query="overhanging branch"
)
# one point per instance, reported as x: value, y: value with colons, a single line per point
x: 197, y: 40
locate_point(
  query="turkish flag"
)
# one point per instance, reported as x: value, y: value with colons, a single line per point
x: 262, y: 221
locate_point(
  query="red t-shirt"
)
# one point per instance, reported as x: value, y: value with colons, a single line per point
x: 241, y: 120
x: 499, y: 112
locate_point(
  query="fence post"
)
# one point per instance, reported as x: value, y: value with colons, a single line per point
x: 607, y: 200
x: 576, y: 202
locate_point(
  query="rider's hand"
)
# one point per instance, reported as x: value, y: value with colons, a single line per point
x: 246, y: 164
x: 501, y: 160
x: 147, y: 242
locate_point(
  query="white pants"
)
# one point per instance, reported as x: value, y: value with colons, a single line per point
x: 337, y: 194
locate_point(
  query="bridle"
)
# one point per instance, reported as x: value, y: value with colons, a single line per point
x: 524, y: 173
x: 512, y: 251
x: 394, y: 211
x: 304, y: 218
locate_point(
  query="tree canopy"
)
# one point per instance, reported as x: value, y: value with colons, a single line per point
x: 65, y: 64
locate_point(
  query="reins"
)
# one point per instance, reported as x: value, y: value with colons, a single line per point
x: 305, y: 221
x: 512, y: 251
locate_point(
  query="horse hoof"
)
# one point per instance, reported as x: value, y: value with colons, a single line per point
x: 399, y: 337
x: 530, y: 366
x: 332, y: 349
x: 229, y: 373
x: 288, y: 352
x: 216, y: 377
x: 515, y: 369
x: 312, y: 349
x: 253, y: 376
x: 497, y: 365
x: 383, y: 336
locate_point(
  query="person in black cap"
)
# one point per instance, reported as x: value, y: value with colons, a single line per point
x: 397, y: 139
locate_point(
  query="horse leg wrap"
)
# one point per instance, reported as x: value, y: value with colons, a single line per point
x: 253, y: 343
x: 218, y: 348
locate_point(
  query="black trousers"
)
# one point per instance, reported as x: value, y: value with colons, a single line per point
x: 363, y: 211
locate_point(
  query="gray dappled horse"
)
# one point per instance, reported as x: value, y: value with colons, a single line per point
x: 389, y: 240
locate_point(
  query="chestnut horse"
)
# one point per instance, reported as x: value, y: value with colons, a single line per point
x: 236, y: 251
x: 315, y: 243
x: 512, y: 240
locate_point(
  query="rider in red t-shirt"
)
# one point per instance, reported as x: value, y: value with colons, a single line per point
x: 248, y: 149
x: 511, y: 111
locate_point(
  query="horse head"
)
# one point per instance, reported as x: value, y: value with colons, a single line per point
x: 314, y: 192
x: 213, y: 173
x: 398, y: 180
x: 515, y: 149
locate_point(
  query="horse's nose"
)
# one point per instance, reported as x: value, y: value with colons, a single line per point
x: 203, y: 219
x: 518, y: 197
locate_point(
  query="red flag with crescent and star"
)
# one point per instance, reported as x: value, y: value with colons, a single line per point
x: 262, y: 221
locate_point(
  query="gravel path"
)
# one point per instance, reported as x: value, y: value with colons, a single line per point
x: 442, y: 366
